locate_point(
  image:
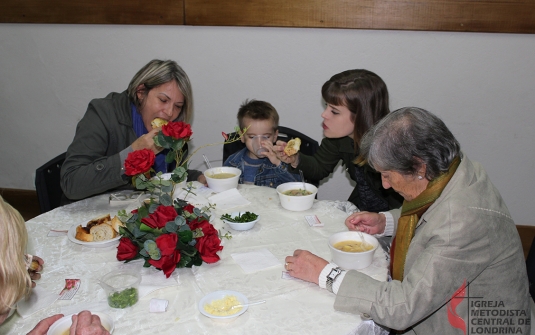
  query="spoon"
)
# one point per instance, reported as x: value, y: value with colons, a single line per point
x: 243, y: 305
x: 207, y: 161
x: 303, y: 180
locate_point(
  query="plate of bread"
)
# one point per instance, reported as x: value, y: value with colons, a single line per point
x: 99, y: 232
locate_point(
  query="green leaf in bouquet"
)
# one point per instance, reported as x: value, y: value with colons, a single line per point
x: 184, y: 261
x: 162, y: 141
x: 180, y: 204
x: 145, y: 228
x: 177, y: 145
x: 138, y: 233
x: 197, y: 212
x: 197, y: 260
x: 143, y: 211
x: 184, y: 227
x: 179, y: 174
x: 180, y: 221
x: 170, y: 157
x: 144, y: 253
x: 171, y: 227
x: 167, y: 187
x: 152, y: 249
x: 185, y: 236
x: 188, y: 250
x: 166, y: 200
x: 146, y: 264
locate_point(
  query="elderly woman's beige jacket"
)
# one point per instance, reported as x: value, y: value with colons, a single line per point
x: 467, y: 235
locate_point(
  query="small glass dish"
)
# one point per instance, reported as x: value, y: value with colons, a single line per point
x: 122, y: 287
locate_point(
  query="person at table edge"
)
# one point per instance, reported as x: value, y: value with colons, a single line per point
x: 120, y: 123
x: 355, y: 101
x: 17, y: 274
x: 454, y: 238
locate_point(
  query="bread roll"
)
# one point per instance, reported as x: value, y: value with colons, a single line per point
x: 83, y: 234
x: 157, y: 122
x: 292, y: 147
x: 102, y: 232
x: 116, y: 223
x: 34, y: 265
x: 100, y: 229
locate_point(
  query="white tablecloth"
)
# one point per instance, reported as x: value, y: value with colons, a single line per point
x: 292, y: 306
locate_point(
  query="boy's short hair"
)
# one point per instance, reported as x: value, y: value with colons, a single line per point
x: 258, y: 110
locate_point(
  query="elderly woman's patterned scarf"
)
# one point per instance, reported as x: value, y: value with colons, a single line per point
x: 411, y: 212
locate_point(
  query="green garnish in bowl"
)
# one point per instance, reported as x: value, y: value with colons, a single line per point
x: 243, y: 217
x: 124, y: 298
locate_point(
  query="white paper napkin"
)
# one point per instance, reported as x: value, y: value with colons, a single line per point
x: 228, y: 199
x: 257, y: 260
x: 196, y: 198
x: 152, y: 280
x: 38, y: 299
x: 158, y: 305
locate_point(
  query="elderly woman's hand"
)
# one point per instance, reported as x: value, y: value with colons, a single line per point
x: 86, y: 323
x: 366, y: 222
x: 278, y: 149
x: 146, y: 141
x: 305, y: 265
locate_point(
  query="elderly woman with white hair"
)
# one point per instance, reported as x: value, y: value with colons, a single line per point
x: 457, y: 264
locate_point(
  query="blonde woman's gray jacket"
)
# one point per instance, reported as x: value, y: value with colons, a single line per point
x: 466, y: 236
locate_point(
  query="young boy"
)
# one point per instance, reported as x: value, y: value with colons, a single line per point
x: 257, y: 161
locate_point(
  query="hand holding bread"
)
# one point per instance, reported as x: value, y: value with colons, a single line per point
x: 293, y: 146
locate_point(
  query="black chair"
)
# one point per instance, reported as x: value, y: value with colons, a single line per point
x: 308, y: 145
x: 47, y: 184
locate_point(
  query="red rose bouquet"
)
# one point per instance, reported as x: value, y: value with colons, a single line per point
x: 167, y: 233
x: 168, y: 237
x: 173, y: 136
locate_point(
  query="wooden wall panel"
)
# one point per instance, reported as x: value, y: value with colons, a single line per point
x: 155, y: 12
x: 513, y: 16
x: 504, y: 16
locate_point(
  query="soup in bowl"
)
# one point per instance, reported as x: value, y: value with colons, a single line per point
x: 352, y: 250
x: 222, y: 178
x: 294, y: 197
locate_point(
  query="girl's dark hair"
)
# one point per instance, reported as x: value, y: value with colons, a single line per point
x: 365, y: 95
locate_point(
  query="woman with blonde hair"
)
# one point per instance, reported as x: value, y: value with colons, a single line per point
x: 16, y: 275
x: 120, y: 123
x: 15, y: 280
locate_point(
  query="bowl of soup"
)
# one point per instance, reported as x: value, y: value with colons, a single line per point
x: 352, y: 250
x: 222, y: 178
x: 294, y: 197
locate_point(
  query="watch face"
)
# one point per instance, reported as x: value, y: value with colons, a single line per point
x: 334, y: 273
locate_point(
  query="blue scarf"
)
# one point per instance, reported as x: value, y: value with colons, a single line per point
x: 139, y: 129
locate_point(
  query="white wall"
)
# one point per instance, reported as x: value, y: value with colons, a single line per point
x: 482, y: 85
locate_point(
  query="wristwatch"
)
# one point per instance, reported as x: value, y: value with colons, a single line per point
x: 331, y: 277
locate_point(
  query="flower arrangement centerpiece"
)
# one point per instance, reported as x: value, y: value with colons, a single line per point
x: 167, y: 233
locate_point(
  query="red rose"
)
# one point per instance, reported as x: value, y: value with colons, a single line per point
x: 177, y: 130
x: 126, y: 249
x: 209, y: 244
x: 170, y: 256
x: 160, y: 217
x: 139, y: 161
x: 189, y: 208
